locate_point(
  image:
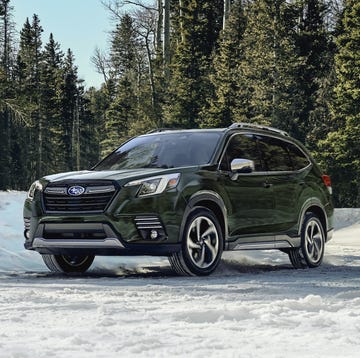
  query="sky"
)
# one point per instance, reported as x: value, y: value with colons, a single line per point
x: 81, y: 25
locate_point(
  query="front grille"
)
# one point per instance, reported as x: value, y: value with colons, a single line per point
x: 74, y: 231
x: 95, y: 198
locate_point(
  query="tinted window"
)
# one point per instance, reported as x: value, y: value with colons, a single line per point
x: 275, y: 154
x: 298, y: 158
x: 166, y: 150
x: 241, y: 147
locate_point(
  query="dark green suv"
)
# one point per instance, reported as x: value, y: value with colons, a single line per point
x: 188, y: 195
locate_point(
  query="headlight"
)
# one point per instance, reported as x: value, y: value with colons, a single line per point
x: 155, y: 185
x: 36, y: 185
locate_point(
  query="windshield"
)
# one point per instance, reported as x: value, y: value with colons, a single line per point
x: 166, y: 150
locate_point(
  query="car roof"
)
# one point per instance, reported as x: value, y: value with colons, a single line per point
x: 232, y: 127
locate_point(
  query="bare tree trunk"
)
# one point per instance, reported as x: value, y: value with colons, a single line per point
x: 151, y: 73
x: 73, y: 130
x: 166, y: 44
x: 40, y: 144
x: 181, y: 21
x: 5, y: 62
x: 227, y: 4
x: 99, y: 61
x: 6, y: 31
x: 39, y: 115
x: 77, y: 133
x: 75, y: 136
x: 159, y: 28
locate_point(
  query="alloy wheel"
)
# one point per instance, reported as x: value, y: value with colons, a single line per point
x: 314, y: 241
x: 202, y: 242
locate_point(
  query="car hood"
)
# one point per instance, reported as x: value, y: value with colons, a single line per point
x: 117, y: 175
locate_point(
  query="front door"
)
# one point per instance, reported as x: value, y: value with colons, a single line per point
x: 250, y: 199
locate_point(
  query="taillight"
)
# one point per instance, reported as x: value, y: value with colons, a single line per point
x: 327, y: 181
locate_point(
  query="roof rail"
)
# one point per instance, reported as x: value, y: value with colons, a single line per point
x: 257, y: 126
x: 160, y: 130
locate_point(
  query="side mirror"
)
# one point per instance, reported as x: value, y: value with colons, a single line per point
x: 241, y: 166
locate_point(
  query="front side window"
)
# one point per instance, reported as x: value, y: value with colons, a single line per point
x: 165, y: 150
x: 241, y: 146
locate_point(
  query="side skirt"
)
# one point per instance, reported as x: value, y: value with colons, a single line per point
x: 264, y: 243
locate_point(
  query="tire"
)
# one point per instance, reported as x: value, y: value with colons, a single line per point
x: 202, y: 245
x: 311, y: 252
x: 67, y: 263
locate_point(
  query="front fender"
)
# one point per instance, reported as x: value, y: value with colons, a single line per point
x: 210, y: 200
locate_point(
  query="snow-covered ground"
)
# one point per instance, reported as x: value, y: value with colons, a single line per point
x: 255, y: 305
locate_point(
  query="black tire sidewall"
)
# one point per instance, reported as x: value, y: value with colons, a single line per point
x: 197, y: 212
x: 67, y: 268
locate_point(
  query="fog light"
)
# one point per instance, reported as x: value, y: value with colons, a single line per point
x: 153, y: 234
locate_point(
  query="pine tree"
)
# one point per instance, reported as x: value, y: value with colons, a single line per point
x: 50, y: 105
x: 221, y: 109
x: 126, y: 88
x: 28, y: 76
x: 341, y: 148
x: 314, y: 71
x: 124, y: 48
x: 90, y: 129
x: 119, y: 116
x: 98, y: 102
x: 69, y: 112
x: 266, y: 71
x: 200, y: 25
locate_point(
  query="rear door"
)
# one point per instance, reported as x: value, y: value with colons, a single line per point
x: 283, y: 162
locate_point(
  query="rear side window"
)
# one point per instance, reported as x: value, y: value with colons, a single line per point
x: 298, y: 158
x: 275, y: 154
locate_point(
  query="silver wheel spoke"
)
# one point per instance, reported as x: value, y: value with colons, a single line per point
x: 198, y: 226
x: 209, y: 231
x: 312, y: 230
x: 317, y: 236
x: 194, y: 245
x: 308, y: 239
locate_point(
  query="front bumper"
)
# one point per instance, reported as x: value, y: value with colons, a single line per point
x: 90, y: 239
x: 129, y: 226
x: 105, y: 247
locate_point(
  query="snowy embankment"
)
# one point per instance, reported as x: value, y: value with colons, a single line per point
x: 255, y: 305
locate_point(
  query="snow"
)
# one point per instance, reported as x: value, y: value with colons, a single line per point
x: 255, y: 305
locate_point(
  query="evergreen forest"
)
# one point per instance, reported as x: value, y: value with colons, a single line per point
x: 290, y: 64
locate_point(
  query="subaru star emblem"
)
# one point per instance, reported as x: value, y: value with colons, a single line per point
x: 76, y: 190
